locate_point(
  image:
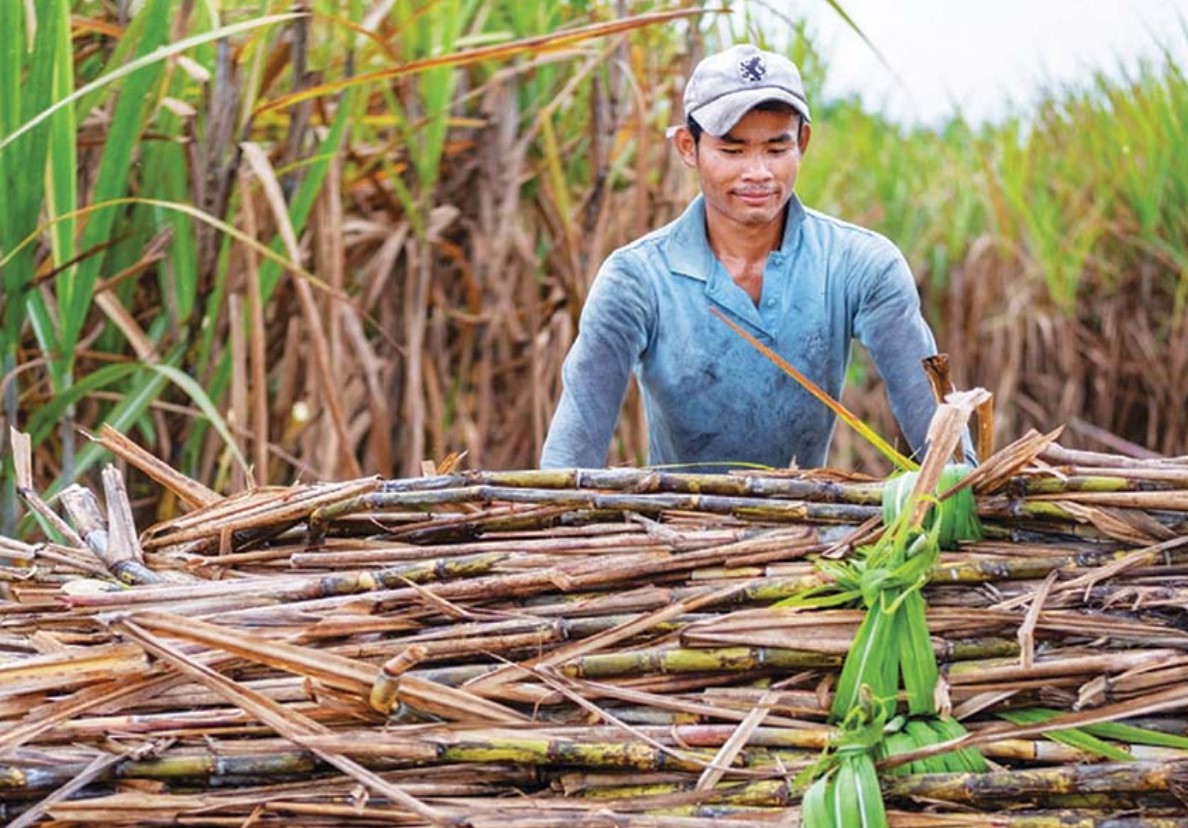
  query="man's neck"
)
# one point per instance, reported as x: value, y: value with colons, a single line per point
x: 737, y: 242
x: 743, y: 248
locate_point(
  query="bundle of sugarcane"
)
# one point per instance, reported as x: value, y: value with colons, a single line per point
x: 611, y: 647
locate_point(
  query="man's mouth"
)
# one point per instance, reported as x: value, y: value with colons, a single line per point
x: 754, y: 196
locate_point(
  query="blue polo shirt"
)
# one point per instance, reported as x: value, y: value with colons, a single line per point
x: 710, y: 396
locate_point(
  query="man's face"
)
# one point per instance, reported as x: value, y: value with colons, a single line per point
x: 748, y: 174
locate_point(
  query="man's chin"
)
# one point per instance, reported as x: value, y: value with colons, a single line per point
x: 757, y: 216
x: 758, y: 212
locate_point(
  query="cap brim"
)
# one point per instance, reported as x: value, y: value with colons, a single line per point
x: 720, y: 115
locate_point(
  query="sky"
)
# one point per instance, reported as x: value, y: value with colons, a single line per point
x: 985, y: 57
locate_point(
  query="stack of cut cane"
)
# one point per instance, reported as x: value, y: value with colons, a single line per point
x: 609, y: 647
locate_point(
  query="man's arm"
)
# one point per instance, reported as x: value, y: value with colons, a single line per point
x: 889, y: 323
x: 615, y: 325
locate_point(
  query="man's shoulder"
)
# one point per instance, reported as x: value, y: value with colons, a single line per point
x: 843, y: 231
x: 652, y: 241
x: 644, y: 256
x: 859, y: 249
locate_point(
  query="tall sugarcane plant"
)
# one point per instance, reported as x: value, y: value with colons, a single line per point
x: 59, y: 240
x: 164, y: 173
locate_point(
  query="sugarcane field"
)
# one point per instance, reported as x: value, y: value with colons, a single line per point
x: 593, y: 414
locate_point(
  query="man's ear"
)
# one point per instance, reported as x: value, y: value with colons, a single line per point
x: 686, y: 146
x: 806, y: 132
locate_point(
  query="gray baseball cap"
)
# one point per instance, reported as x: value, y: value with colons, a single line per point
x: 727, y: 85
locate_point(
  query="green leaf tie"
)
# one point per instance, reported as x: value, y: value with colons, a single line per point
x: 953, y: 519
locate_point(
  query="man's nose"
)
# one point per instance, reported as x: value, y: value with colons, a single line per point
x: 757, y: 168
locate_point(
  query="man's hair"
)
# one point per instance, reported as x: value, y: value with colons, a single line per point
x: 763, y: 106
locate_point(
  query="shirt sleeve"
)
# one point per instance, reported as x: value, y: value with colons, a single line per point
x: 888, y: 322
x: 613, y: 334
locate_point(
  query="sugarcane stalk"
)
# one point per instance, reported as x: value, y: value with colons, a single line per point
x: 940, y: 377
x: 479, y: 747
x: 734, y: 744
x: 142, y: 807
x: 77, y: 559
x: 1172, y: 500
x: 270, y: 510
x: 22, y: 459
x: 507, y: 644
x: 263, y: 507
x: 689, y: 660
x: 189, y: 491
x: 567, y: 817
x: 94, y: 770
x: 984, y: 415
x: 355, y: 814
x: 1075, y: 663
x: 14, y: 778
x: 454, y: 527
x: 357, y: 678
x: 14, y: 552
x: 296, y: 588
x: 996, y: 472
x: 979, y: 649
x: 1102, y: 481
x: 205, y: 766
x: 70, y: 668
x: 1070, y: 517
x: 123, y: 553
x: 621, y: 541
x: 652, y: 481
x: 628, y: 598
x: 1061, y: 456
x: 797, y: 736
x: 385, y: 689
x: 609, y: 637
x: 766, y: 793
x: 573, y: 575
x: 748, y: 507
x: 1107, y: 803
x: 977, y: 788
x: 219, y: 770
x: 952, y: 570
x: 110, y: 691
x: 286, y: 722
x: 462, y: 637
x: 401, y: 552
x: 1109, y: 818
x: 118, y: 559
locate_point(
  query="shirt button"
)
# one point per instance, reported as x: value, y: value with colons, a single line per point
x: 770, y: 302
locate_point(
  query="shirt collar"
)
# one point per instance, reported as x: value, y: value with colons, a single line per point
x: 687, y: 248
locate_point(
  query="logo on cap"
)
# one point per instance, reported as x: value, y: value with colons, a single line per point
x: 752, y: 69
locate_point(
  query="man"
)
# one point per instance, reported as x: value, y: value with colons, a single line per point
x: 803, y: 283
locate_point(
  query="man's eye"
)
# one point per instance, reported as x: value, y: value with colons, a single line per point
x: 777, y: 150
x: 730, y: 151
